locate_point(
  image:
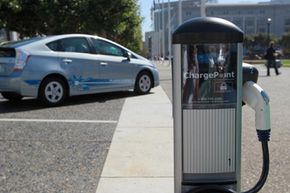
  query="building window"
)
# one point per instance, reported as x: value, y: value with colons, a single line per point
x: 238, y: 12
x: 262, y: 21
x: 261, y: 30
x: 261, y: 25
x: 262, y: 11
x: 287, y: 25
x: 249, y: 31
x: 238, y: 21
x: 287, y: 22
x: 226, y: 18
x: 250, y: 25
x: 250, y: 22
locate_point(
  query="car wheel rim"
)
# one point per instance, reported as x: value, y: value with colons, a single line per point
x: 145, y: 83
x: 54, y: 92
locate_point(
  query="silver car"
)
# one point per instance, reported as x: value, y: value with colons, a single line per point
x: 55, y: 67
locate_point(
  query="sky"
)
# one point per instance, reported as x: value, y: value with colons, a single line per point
x: 145, y: 6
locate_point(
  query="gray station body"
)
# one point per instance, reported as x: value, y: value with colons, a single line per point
x: 207, y: 101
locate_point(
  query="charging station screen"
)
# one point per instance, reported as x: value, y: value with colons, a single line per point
x: 209, y: 74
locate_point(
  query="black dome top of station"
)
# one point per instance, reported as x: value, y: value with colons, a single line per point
x: 207, y: 30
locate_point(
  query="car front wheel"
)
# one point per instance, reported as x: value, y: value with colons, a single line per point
x: 53, y: 91
x: 143, y: 83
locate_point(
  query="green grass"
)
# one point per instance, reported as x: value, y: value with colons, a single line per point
x: 286, y: 63
x: 255, y: 61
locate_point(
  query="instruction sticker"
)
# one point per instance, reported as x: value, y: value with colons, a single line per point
x: 209, y: 75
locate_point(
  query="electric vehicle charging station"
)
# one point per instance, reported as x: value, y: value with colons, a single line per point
x: 210, y: 85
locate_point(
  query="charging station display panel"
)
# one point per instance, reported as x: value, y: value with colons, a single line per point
x: 209, y: 76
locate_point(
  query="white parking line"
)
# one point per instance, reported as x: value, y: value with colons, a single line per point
x: 57, y: 121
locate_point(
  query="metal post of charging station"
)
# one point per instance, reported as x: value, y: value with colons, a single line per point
x: 207, y: 104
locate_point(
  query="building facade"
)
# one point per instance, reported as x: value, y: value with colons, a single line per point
x: 265, y: 17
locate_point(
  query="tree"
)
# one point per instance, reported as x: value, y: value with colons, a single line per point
x: 285, y: 43
x: 118, y: 20
x: 256, y: 44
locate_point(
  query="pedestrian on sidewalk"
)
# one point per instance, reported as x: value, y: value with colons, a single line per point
x: 271, y: 59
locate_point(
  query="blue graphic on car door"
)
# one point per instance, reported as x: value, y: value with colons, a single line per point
x: 82, y: 71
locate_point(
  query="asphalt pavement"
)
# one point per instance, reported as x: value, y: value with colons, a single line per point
x: 277, y: 87
x: 56, y: 150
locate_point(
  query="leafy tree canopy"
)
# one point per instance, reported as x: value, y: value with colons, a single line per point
x: 285, y: 43
x: 118, y: 20
x: 285, y: 40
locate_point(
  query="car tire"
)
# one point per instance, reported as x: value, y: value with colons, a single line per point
x: 53, y: 91
x: 12, y: 96
x: 144, y: 82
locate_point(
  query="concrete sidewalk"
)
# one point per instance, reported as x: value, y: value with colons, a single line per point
x: 140, y: 159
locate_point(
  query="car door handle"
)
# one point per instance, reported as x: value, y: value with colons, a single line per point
x: 66, y: 60
x: 104, y: 64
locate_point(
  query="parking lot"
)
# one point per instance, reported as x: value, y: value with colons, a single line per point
x: 63, y: 149
x: 59, y: 149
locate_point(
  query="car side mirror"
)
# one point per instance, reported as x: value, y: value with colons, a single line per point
x: 128, y: 55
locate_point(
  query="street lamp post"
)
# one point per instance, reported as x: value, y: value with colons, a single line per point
x: 179, y: 12
x: 202, y: 8
x: 268, y: 28
x: 169, y: 31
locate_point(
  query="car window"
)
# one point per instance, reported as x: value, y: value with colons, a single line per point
x: 79, y: 45
x: 106, y: 48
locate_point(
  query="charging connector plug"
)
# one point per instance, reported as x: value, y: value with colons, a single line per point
x: 257, y: 99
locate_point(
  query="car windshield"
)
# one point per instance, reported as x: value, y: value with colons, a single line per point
x: 18, y: 43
